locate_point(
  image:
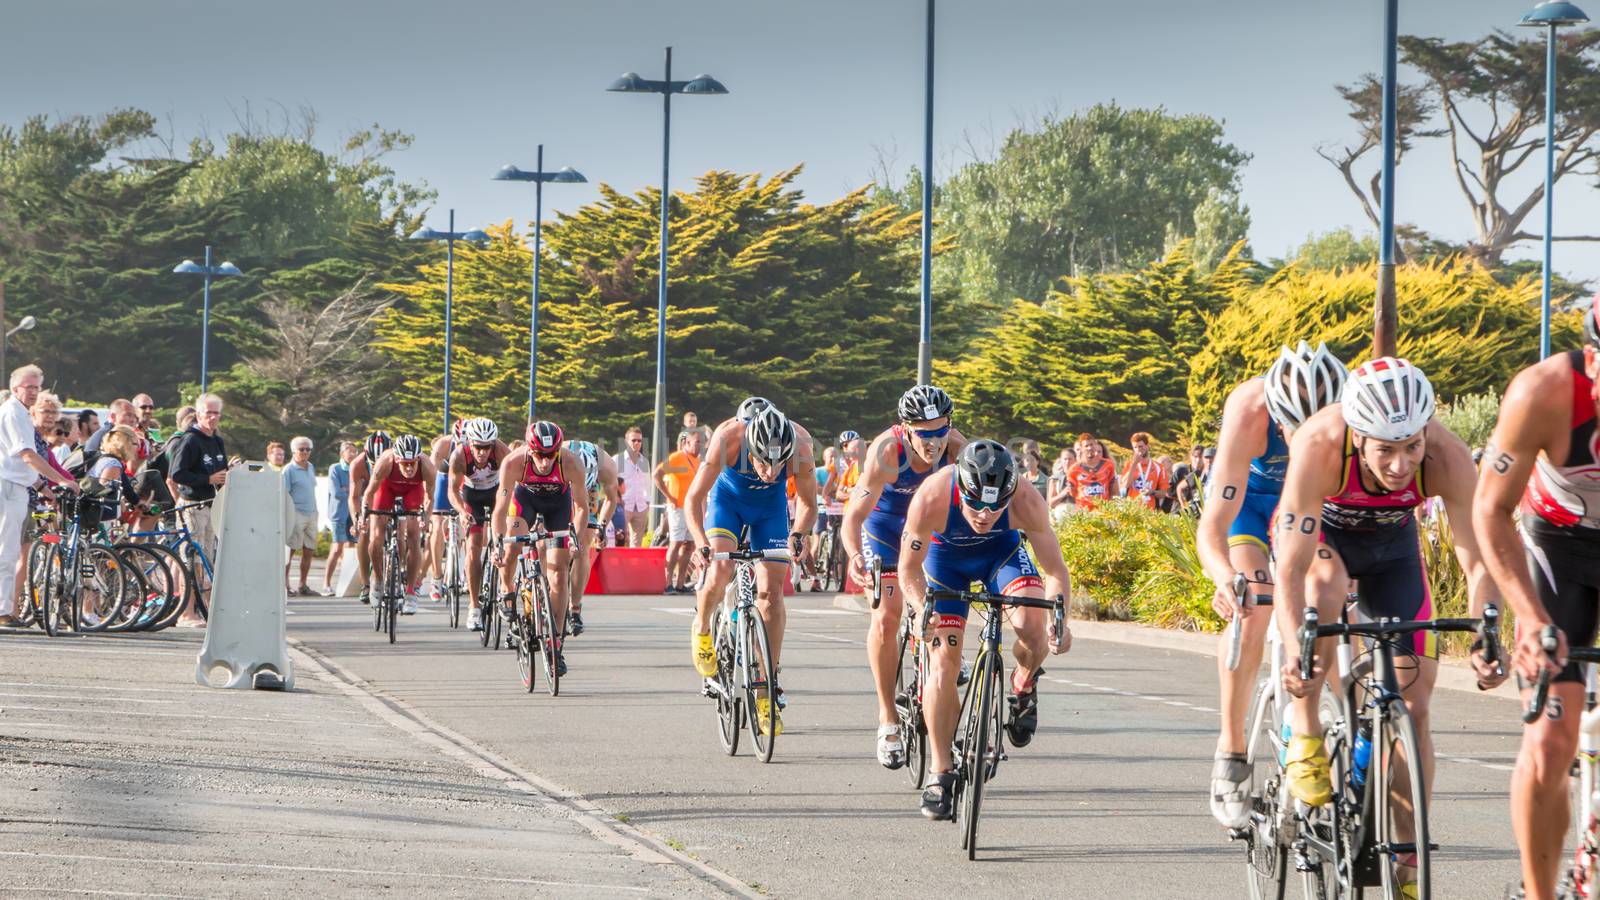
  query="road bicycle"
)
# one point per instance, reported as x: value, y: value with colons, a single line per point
x: 744, y: 659
x: 532, y: 626
x: 454, y: 566
x: 1580, y: 878
x: 910, y: 676
x: 488, y: 590
x: 980, y: 733
x: 829, y: 565
x: 195, y: 573
x: 386, y: 606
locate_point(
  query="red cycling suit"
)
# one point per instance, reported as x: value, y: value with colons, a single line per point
x: 1561, y: 524
x: 1375, y: 534
x: 546, y: 495
x: 409, y: 491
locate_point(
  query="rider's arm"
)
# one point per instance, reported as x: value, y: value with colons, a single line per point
x: 608, y: 487
x: 1242, y: 437
x: 380, y: 471
x: 1535, y: 411
x: 578, y: 490
x: 869, y: 487
x: 430, y: 475
x: 1032, y: 517
x: 1315, y: 457
x: 1450, y: 472
x: 358, y: 489
x: 805, y: 483
x: 509, y: 475
x: 928, y: 506
x: 694, y: 500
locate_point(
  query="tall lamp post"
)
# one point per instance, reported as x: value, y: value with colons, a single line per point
x: 1551, y: 15
x: 207, y: 272
x: 26, y: 324
x: 925, y: 342
x: 449, y: 237
x: 631, y: 83
x: 565, y: 175
x: 1386, y: 316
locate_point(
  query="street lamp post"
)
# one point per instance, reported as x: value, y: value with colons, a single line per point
x: 631, y: 83
x: 26, y: 324
x: 925, y: 342
x: 565, y: 175
x: 1551, y: 15
x: 207, y: 272
x: 449, y: 237
x: 1386, y: 316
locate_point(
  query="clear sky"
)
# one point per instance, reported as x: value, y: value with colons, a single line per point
x: 828, y: 83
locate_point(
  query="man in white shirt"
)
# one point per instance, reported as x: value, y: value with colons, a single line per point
x: 20, y: 466
x: 636, y: 485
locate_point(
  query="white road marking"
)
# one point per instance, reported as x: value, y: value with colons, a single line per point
x: 144, y: 713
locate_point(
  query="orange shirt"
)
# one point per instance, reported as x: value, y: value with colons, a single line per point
x: 680, y: 469
x: 1089, y: 487
x: 1148, y: 477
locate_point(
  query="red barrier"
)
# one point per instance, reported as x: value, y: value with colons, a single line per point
x: 628, y: 570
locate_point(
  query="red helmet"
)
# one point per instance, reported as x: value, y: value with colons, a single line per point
x: 544, y: 438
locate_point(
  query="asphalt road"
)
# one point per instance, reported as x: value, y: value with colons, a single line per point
x: 1108, y: 801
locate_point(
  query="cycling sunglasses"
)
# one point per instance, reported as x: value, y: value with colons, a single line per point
x: 984, y: 503
x: 543, y: 455
x: 931, y: 434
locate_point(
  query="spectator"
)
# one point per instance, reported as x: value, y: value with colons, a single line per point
x: 119, y: 452
x: 123, y: 412
x: 199, y: 468
x: 20, y: 466
x: 47, y: 420
x: 62, y: 436
x: 147, y: 412
x: 1168, y: 503
x: 1093, y: 477
x: 1143, y: 479
x: 635, y: 505
x: 1060, y: 496
x: 88, y: 424
x: 1207, y: 458
x: 1032, y: 471
x: 672, y: 479
x: 691, y: 422
x: 277, y: 455
x: 1186, y: 483
x: 619, y: 525
x: 339, y: 512
x: 300, y: 480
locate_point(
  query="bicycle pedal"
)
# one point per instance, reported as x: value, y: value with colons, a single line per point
x: 1238, y: 834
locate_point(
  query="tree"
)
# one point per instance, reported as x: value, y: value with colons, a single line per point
x: 1490, y: 93
x: 1340, y: 248
x: 1221, y: 224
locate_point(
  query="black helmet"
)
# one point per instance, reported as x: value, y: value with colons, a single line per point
x: 770, y: 436
x: 377, y: 442
x: 986, y: 474
x: 924, y: 403
x: 750, y: 407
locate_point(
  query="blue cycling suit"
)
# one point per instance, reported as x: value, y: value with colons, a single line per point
x: 959, y: 556
x: 740, y: 499
x: 880, y: 533
x: 1253, y: 524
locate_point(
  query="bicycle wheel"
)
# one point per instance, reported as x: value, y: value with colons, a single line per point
x: 757, y: 665
x: 525, y: 663
x: 729, y: 702
x: 454, y: 580
x: 54, y: 575
x: 393, y: 590
x: 143, y: 592
x: 102, y: 586
x: 164, y: 584
x: 183, y: 578
x: 908, y: 708
x: 549, y: 643
x: 979, y: 759
x: 1266, y: 847
x: 1399, y: 731
x: 834, y: 578
x: 30, y: 606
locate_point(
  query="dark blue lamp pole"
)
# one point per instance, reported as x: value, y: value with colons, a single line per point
x: 1551, y: 15
x: 925, y: 342
x: 449, y: 237
x: 207, y: 272
x: 631, y: 83
x: 538, y: 176
x: 1386, y: 318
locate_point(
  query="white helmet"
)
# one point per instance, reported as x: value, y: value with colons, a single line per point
x: 1301, y: 382
x: 770, y: 436
x: 481, y: 431
x: 1388, y: 399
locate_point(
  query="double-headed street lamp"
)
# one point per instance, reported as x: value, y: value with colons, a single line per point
x: 538, y: 176
x: 631, y: 83
x: 1551, y: 15
x: 449, y: 237
x: 208, y: 272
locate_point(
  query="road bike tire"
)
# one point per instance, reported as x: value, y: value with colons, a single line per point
x: 54, y: 590
x: 1400, y: 730
x: 1266, y: 850
x: 190, y: 555
x: 908, y: 709
x: 454, y: 564
x: 153, y: 590
x: 393, y: 589
x: 978, y: 768
x: 758, y: 669
x: 105, y: 587
x: 835, y: 572
x: 729, y: 702
x: 188, y: 588
x: 31, y: 605
x: 525, y: 664
x: 550, y: 641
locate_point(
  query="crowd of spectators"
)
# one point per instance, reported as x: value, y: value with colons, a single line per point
x: 1085, y: 475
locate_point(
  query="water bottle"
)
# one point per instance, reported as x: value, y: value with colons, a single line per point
x: 1363, y: 756
x: 1283, y: 747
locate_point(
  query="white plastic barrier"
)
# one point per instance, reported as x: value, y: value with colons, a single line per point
x: 246, y: 629
x: 348, y: 581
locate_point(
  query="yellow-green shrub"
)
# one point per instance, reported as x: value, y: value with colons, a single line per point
x: 1132, y: 563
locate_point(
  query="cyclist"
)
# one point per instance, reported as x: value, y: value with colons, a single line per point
x: 444, y: 446
x: 897, y: 463
x: 600, y: 481
x: 1544, y: 453
x: 741, y: 485
x: 360, y: 475
x: 1357, y: 471
x: 402, y: 473
x: 474, y: 474
x: 1258, y: 419
x: 966, y: 523
x: 542, y: 478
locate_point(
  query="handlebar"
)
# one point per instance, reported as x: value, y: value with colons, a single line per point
x: 1241, y: 596
x: 1489, y: 636
x: 1541, y: 688
x: 393, y: 513
x: 1309, y: 632
x: 753, y: 555
x: 877, y: 581
x: 1389, y: 629
x: 197, y: 504
x: 536, y: 538
x: 1056, y: 605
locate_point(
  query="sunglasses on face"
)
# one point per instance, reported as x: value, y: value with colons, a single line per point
x: 981, y: 506
x: 544, y: 455
x: 482, y: 446
x: 931, y: 434
x: 147, y: 406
